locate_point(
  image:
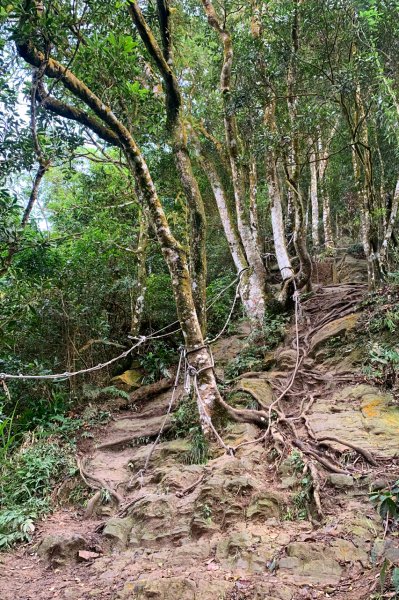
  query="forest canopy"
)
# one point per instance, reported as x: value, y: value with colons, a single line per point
x: 159, y: 158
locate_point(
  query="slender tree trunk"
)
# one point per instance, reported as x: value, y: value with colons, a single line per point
x: 249, y: 290
x: 140, y: 287
x: 314, y: 200
x: 305, y: 272
x: 250, y: 245
x: 273, y: 184
x: 389, y: 229
x: 253, y: 202
x: 164, y: 61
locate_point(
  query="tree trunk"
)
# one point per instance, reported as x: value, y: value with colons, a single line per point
x: 250, y: 292
x: 163, y: 58
x: 138, y: 309
x: 107, y: 126
x: 249, y: 242
x: 314, y: 200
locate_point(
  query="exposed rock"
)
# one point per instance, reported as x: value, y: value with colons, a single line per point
x: 159, y: 520
x: 310, y: 563
x: 260, y: 388
x: 333, y: 329
x: 349, y: 269
x: 129, y: 380
x: 361, y: 414
x: 61, y: 549
x: 117, y: 530
x: 170, y: 588
x: 341, y: 481
x: 124, y: 432
x: 175, y: 449
x: 264, y: 505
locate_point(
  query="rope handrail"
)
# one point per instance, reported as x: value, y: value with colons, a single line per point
x: 141, y: 340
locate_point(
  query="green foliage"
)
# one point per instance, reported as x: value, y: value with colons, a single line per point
x: 27, y: 480
x: 219, y: 300
x: 382, y: 323
x: 156, y: 360
x: 387, y: 501
x: 186, y: 425
x: 251, y: 358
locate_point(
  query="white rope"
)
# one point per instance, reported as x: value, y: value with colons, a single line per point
x: 236, y: 296
x: 67, y: 374
x: 142, y: 339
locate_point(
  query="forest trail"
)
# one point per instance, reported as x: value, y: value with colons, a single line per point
x: 240, y: 527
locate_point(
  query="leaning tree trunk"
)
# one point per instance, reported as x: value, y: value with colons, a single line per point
x: 163, y: 58
x: 108, y: 127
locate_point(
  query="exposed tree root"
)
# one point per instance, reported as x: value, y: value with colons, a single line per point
x: 145, y: 392
x: 96, y: 484
x: 321, y: 459
x: 367, y: 455
x: 190, y: 488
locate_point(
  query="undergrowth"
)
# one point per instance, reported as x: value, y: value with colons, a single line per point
x: 251, y: 358
x: 28, y: 477
x: 381, y: 328
x: 186, y: 425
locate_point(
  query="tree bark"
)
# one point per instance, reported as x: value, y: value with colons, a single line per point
x: 163, y: 58
x: 314, y: 199
x: 252, y: 252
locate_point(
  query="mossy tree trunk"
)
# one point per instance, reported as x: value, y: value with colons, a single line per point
x: 100, y: 119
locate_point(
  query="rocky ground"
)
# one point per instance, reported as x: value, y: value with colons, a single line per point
x: 245, y: 526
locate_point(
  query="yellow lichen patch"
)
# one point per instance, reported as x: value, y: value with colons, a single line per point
x: 131, y: 378
x: 372, y: 408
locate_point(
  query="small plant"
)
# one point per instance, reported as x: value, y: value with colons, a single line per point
x: 27, y: 479
x: 207, y: 512
x: 186, y: 425
x: 387, y: 502
x: 383, y: 365
x: 156, y: 361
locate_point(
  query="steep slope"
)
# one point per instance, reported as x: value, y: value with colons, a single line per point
x: 286, y: 519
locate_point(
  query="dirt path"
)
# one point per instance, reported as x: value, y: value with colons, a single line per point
x: 240, y: 527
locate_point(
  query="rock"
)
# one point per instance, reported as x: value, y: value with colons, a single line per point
x: 335, y: 328
x: 159, y: 520
x: 310, y: 563
x: 260, y: 387
x: 85, y: 555
x: 61, y: 549
x: 264, y: 506
x: 117, y: 530
x: 361, y: 414
x: 129, y: 380
x: 388, y: 549
x: 124, y: 432
x: 174, y: 450
x: 349, y: 269
x: 169, y: 588
x: 341, y: 481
